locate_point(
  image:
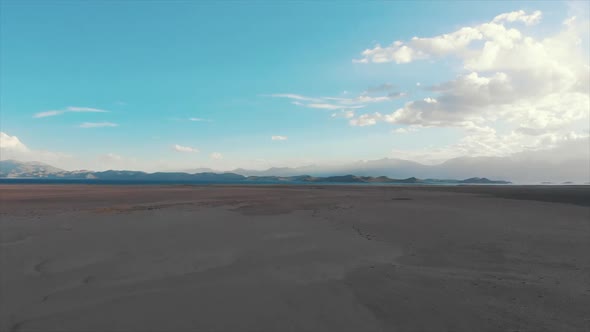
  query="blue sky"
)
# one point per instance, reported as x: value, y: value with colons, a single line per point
x: 152, y: 66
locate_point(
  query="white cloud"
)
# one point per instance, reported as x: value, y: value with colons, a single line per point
x: 293, y: 96
x: 342, y: 103
x: 47, y: 114
x: 278, y: 138
x: 85, y: 109
x: 456, y: 42
x: 443, y: 44
x: 199, y: 120
x: 362, y: 99
x: 521, y: 16
x: 181, y: 148
x: 485, y: 142
x: 536, y: 90
x: 216, y: 156
x: 397, y: 52
x: 97, y: 124
x: 11, y: 143
x: 366, y: 120
x: 73, y: 109
x: 346, y: 114
x: 11, y: 147
x: 324, y: 106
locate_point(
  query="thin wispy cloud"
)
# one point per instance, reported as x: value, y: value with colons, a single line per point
x: 199, y: 120
x: 71, y: 109
x: 324, y: 106
x: 98, y: 124
x: 186, y: 149
x: 85, y: 109
x: 278, y: 138
x: 396, y: 94
x: 47, y: 114
x: 340, y: 103
x: 292, y: 96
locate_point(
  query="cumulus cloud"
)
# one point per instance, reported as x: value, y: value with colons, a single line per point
x: 11, y: 147
x: 71, y: 109
x: 521, y: 16
x: 456, y: 42
x: 536, y: 89
x: 366, y: 120
x: 11, y: 143
x: 187, y: 149
x: 97, y: 124
x: 278, y: 138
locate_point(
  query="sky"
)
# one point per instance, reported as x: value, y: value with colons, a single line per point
x: 154, y: 85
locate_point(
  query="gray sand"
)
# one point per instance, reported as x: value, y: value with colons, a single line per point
x: 288, y: 258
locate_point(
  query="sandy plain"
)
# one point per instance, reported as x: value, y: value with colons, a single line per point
x: 294, y: 258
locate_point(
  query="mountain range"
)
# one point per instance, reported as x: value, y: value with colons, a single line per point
x: 525, y: 168
x: 37, y: 170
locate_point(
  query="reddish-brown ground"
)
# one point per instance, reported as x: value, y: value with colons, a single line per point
x: 294, y: 258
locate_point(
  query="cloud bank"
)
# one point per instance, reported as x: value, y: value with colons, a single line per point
x: 516, y: 92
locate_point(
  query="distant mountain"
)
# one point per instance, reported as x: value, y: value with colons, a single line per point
x: 398, y: 168
x: 16, y: 169
x: 568, y: 163
x: 165, y: 176
x: 482, y: 181
x: 13, y: 168
x: 366, y: 179
x: 198, y: 170
x: 531, y: 167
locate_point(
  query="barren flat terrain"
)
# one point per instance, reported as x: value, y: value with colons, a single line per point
x: 294, y: 258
